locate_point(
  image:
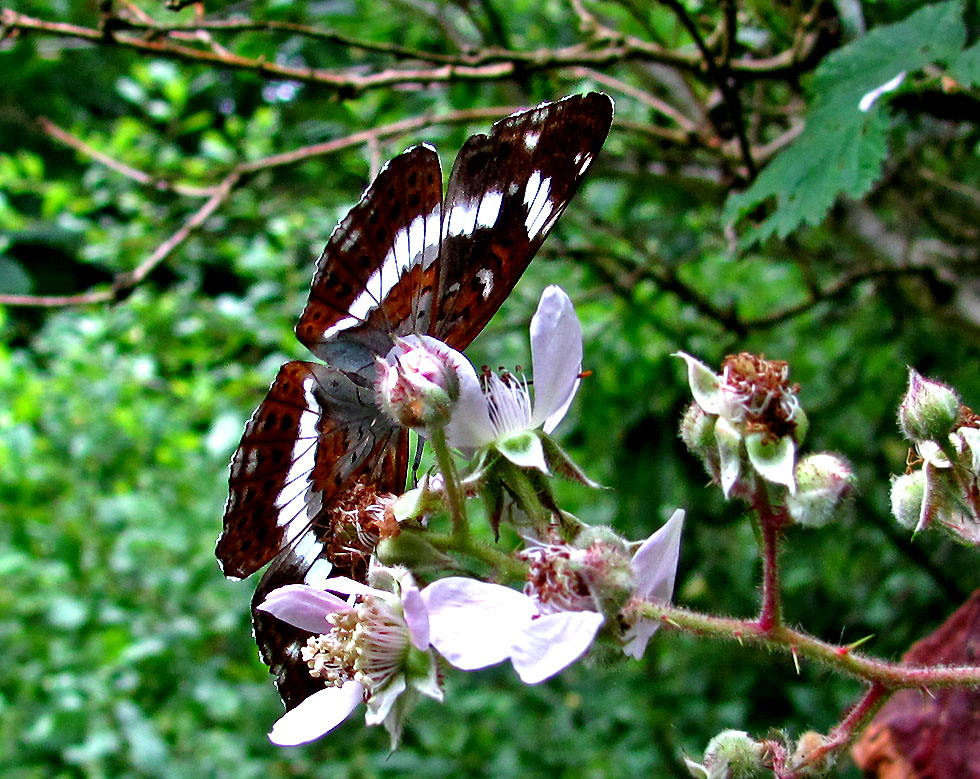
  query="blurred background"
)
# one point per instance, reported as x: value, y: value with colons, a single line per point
x: 155, y: 256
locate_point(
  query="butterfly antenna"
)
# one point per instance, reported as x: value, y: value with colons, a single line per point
x: 417, y: 462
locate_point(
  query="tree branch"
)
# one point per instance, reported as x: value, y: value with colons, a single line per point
x: 141, y: 177
x: 489, y: 64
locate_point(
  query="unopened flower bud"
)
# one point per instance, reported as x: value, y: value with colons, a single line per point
x: 410, y: 549
x: 697, y: 431
x: 929, y: 409
x: 418, y: 387
x: 733, y: 754
x: 823, y: 482
x: 805, y: 758
x: 606, y: 567
x: 907, y: 494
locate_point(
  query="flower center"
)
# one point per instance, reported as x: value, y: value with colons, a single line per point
x: 554, y: 580
x: 758, y: 393
x: 508, y: 400
x: 356, y: 522
x: 367, y: 644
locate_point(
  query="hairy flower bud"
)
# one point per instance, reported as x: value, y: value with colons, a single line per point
x: 732, y: 754
x: 606, y: 568
x: 929, y: 409
x: 907, y: 494
x: 809, y: 756
x: 824, y: 482
x: 697, y: 431
x: 410, y: 549
x: 418, y: 386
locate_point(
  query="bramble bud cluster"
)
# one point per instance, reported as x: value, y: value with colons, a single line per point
x: 746, y: 422
x: 941, y: 487
x: 753, y: 415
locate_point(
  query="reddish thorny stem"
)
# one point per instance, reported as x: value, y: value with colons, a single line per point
x: 771, y: 521
x: 882, y: 678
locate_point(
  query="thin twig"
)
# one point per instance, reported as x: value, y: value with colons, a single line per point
x: 235, y: 25
x: 641, y: 96
x: 141, y: 177
x: 945, y: 182
x: 220, y: 193
x: 722, y: 77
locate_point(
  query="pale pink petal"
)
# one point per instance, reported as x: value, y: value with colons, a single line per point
x: 655, y: 563
x: 416, y: 616
x: 556, y: 357
x: 470, y: 426
x: 473, y: 623
x: 318, y: 714
x: 869, y: 98
x: 553, y: 642
x: 655, y: 568
x: 303, y: 606
x: 347, y: 586
x: 639, y: 636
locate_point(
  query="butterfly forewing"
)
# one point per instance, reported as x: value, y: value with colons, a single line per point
x: 506, y: 191
x: 376, y: 274
x: 319, y: 448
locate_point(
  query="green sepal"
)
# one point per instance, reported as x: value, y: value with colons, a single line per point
x: 774, y: 459
x: 563, y: 465
x: 524, y: 449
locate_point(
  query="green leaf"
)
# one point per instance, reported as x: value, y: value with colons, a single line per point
x: 13, y: 279
x: 966, y: 67
x: 841, y: 149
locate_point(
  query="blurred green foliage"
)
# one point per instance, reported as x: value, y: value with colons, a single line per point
x: 126, y: 653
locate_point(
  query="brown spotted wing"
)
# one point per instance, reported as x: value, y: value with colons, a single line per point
x: 405, y: 260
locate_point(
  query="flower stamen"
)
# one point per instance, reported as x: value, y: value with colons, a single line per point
x: 759, y: 393
x: 367, y: 644
x: 554, y: 581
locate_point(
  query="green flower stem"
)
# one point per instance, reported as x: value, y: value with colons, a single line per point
x: 504, y: 565
x: 891, y: 676
x: 527, y: 496
x: 457, y: 507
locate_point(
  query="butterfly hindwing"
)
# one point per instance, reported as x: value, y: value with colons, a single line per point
x: 328, y: 548
x: 316, y: 431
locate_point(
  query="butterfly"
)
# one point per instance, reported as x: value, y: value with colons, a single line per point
x: 405, y: 260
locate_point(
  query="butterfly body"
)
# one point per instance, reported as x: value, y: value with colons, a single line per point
x: 405, y: 260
